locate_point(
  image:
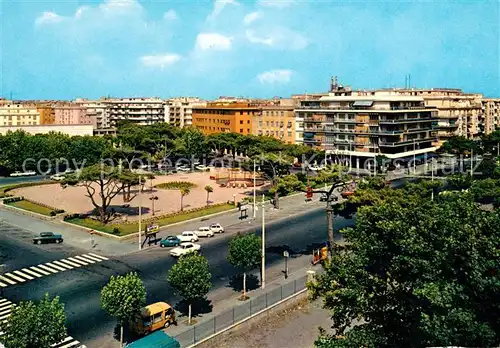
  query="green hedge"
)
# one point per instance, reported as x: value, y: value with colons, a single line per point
x: 176, y: 185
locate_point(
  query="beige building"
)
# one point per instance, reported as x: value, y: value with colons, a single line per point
x: 72, y: 130
x: 365, y: 124
x: 276, y: 119
x: 142, y: 111
x: 96, y: 110
x: 491, y: 112
x: 19, y: 114
x: 71, y: 114
x: 179, y: 111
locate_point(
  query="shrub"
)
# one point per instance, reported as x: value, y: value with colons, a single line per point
x: 12, y: 200
x: 53, y: 213
x: 176, y: 185
x: 116, y: 230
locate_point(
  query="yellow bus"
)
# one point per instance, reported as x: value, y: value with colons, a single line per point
x: 153, y: 317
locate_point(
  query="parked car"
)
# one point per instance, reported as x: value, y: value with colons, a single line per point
x: 183, y: 168
x: 57, y: 177
x: 202, y: 167
x: 324, y: 197
x: 48, y: 237
x: 314, y: 167
x: 188, y: 236
x: 170, y: 241
x: 217, y: 228
x: 204, y: 232
x: 185, y: 248
x: 28, y: 173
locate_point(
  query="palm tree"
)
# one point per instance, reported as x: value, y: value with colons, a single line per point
x: 184, y: 192
x: 209, y: 190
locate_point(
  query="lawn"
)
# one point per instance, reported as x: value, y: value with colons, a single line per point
x: 33, y: 207
x: 126, y: 229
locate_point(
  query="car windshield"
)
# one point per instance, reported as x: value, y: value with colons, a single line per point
x: 46, y: 234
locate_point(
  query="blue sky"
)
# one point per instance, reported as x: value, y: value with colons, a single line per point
x: 263, y: 48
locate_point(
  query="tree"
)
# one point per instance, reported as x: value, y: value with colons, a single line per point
x: 190, y: 278
x: 415, y: 273
x: 102, y: 183
x: 123, y: 297
x: 209, y: 190
x: 275, y: 166
x: 35, y: 325
x: 245, y: 253
x: 184, y: 192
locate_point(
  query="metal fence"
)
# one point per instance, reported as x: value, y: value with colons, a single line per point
x: 246, y: 309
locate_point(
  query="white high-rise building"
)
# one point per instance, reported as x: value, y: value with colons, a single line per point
x: 179, y: 111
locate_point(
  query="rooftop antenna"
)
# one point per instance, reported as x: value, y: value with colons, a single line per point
x: 409, y: 81
x: 406, y: 81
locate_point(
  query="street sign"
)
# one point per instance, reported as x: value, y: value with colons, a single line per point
x: 152, y: 229
x: 286, y: 254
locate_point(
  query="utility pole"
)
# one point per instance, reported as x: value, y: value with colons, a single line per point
x: 471, y: 163
x: 263, y: 280
x: 254, y: 193
x: 414, y: 159
x: 140, y: 212
x: 432, y: 179
x: 329, y: 216
x: 498, y: 149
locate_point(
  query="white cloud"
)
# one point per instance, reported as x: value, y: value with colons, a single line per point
x: 275, y: 3
x: 80, y: 11
x: 160, y: 60
x: 170, y: 15
x: 120, y: 6
x: 219, y: 5
x: 275, y: 76
x: 48, y: 17
x: 253, y: 38
x: 251, y: 17
x: 215, y: 41
x: 278, y: 37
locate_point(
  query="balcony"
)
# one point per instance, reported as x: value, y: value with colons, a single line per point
x: 405, y: 120
x: 406, y: 142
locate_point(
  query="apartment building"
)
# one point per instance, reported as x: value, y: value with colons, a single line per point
x: 71, y: 130
x: 96, y: 110
x: 179, y: 111
x: 47, y: 113
x: 276, y: 119
x: 491, y: 114
x: 366, y: 124
x: 143, y: 111
x: 17, y: 113
x: 220, y: 117
x: 72, y: 114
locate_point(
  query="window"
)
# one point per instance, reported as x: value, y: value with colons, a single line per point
x: 157, y: 317
x: 248, y: 130
x: 241, y: 121
x: 241, y: 130
x: 248, y: 121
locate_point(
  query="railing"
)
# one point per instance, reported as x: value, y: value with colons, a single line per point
x: 239, y: 313
x: 406, y: 142
x: 405, y: 120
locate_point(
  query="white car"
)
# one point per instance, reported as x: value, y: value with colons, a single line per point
x: 217, y: 228
x: 188, y: 236
x: 57, y: 177
x: 28, y: 173
x: 184, y: 248
x: 183, y: 168
x: 314, y: 167
x: 204, y: 232
x: 202, y: 167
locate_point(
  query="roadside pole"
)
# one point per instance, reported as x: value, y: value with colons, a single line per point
x: 263, y: 280
x: 254, y: 193
x: 140, y: 212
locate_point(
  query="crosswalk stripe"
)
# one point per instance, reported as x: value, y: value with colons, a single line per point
x: 3, y: 285
x: 32, y: 273
x: 77, y: 261
x: 48, y: 269
x: 70, y: 263
x: 99, y: 257
x: 21, y: 274
x: 40, y: 270
x: 11, y: 282
x: 55, y: 266
x: 89, y: 257
x: 13, y: 276
x: 2, y: 300
x: 84, y: 259
x: 62, y: 264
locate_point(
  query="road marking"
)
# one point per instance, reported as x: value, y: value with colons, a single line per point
x: 77, y: 261
x: 13, y: 276
x: 40, y: 270
x: 69, y: 263
x: 48, y: 269
x: 55, y: 266
x: 99, y: 257
x: 92, y: 257
x: 7, y: 280
x: 58, y: 263
x: 3, y: 285
x: 21, y: 274
x: 5, y: 312
x: 31, y: 272
x: 84, y: 259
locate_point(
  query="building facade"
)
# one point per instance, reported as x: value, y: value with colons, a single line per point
x: 47, y: 113
x: 19, y: 114
x: 143, y: 111
x: 179, y: 111
x: 276, y: 119
x: 367, y: 124
x: 71, y: 130
x: 221, y: 117
x: 71, y: 114
x: 96, y: 110
x: 491, y: 112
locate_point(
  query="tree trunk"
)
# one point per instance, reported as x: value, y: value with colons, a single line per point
x: 102, y: 214
x: 208, y: 193
x: 244, y: 285
x: 276, y: 199
x: 182, y: 205
x: 121, y: 335
x: 189, y: 314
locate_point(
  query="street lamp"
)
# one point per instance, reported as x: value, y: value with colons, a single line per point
x: 153, y: 198
x: 254, y: 193
x: 140, y: 211
x: 263, y: 262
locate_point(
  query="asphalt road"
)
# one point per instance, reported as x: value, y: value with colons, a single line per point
x: 20, y: 179
x: 80, y: 288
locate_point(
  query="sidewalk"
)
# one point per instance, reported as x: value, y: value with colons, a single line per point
x: 78, y: 238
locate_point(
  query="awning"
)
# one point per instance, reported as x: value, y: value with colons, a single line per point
x: 363, y: 103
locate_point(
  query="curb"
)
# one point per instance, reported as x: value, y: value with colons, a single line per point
x: 29, y: 213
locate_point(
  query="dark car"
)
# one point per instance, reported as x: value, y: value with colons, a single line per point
x: 324, y: 197
x: 48, y: 237
x: 170, y: 241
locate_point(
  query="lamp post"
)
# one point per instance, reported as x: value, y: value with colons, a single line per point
x: 153, y: 198
x: 414, y: 159
x: 140, y: 212
x: 432, y: 179
x: 254, y: 193
x: 263, y: 262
